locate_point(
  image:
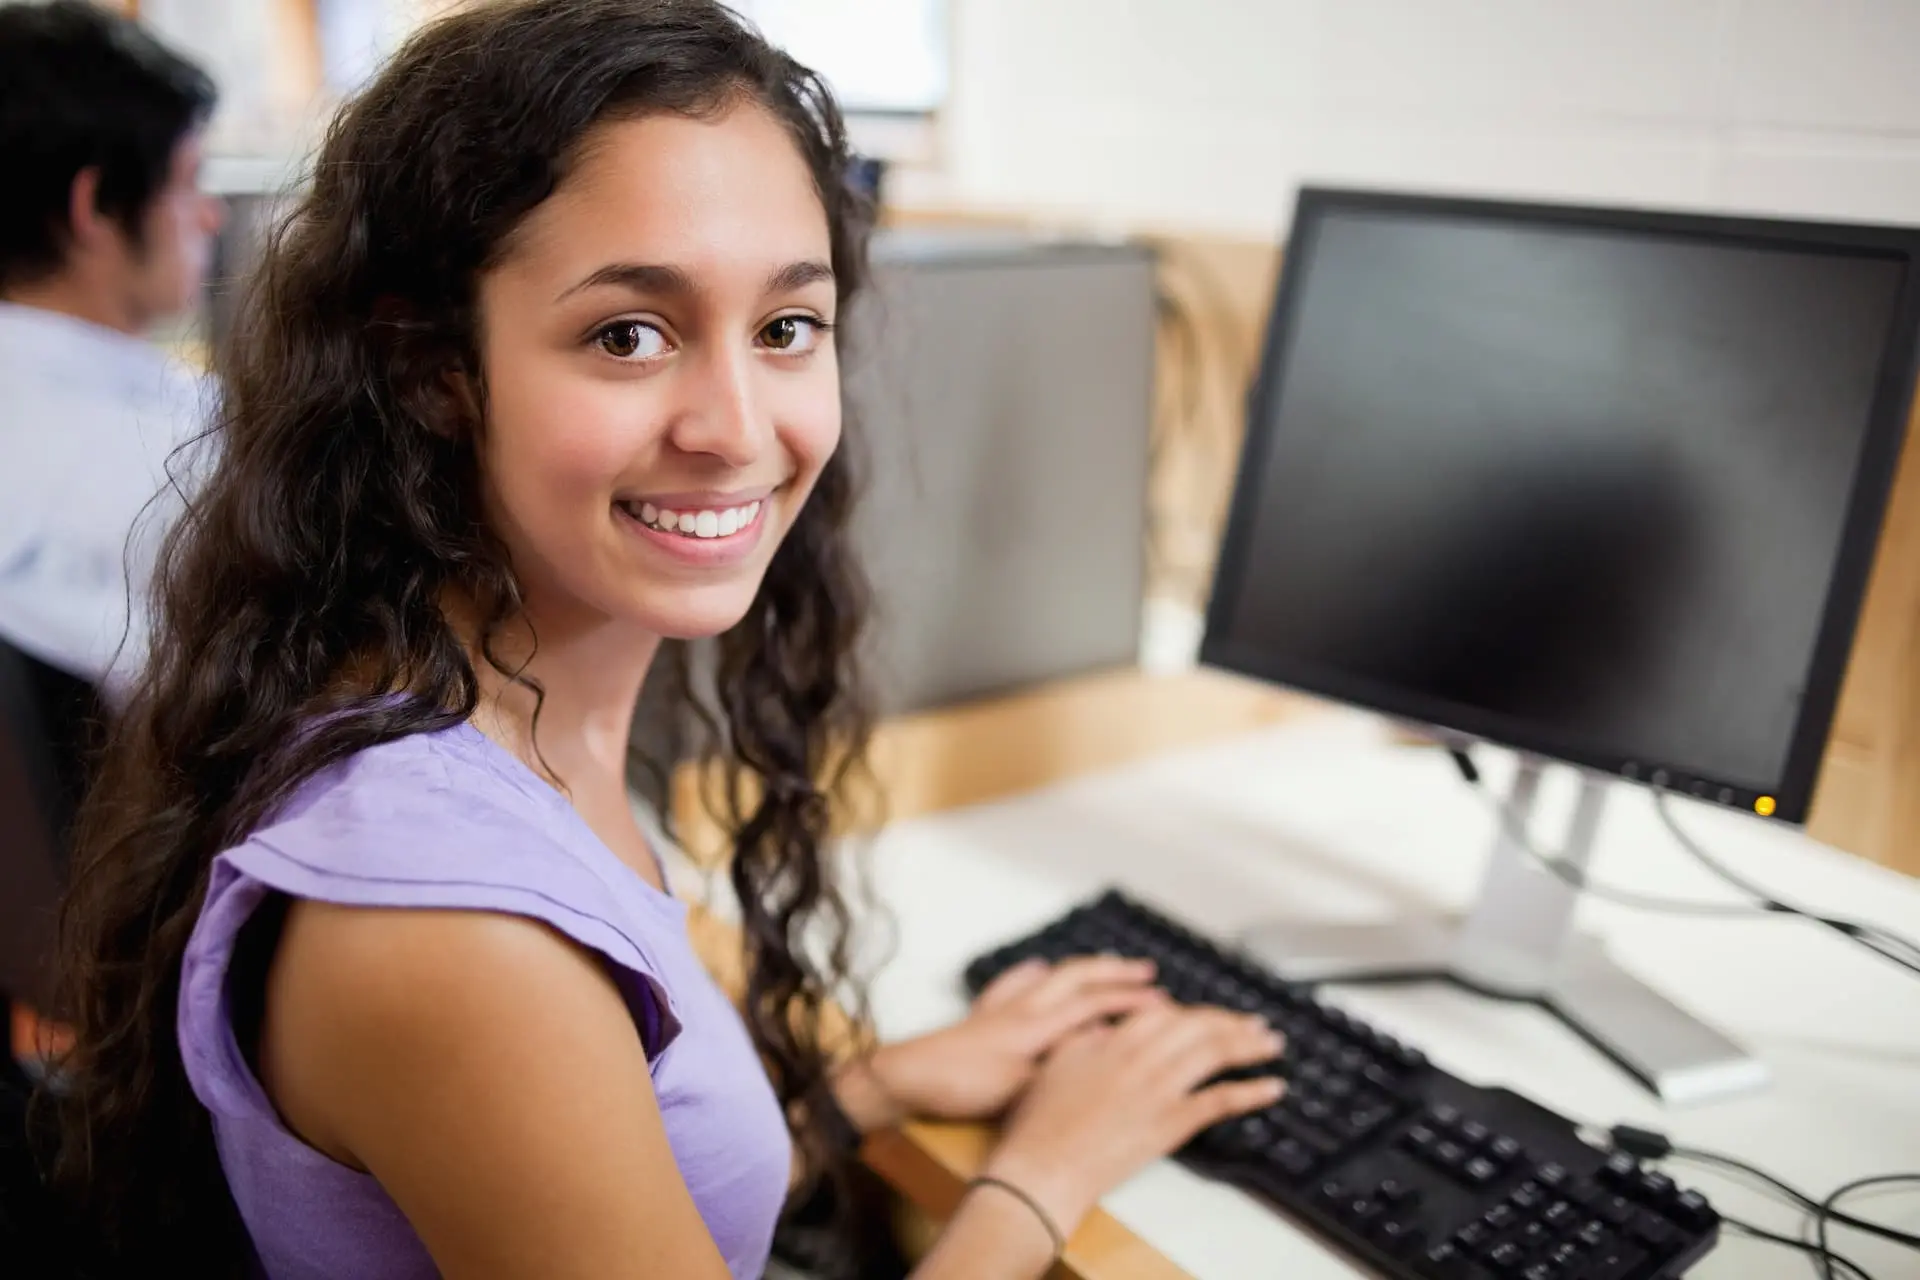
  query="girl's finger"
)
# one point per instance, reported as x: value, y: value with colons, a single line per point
x: 1014, y: 983
x: 1070, y: 977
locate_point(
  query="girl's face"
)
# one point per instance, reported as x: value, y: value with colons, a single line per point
x: 662, y: 389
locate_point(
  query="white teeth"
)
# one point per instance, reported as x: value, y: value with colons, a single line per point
x: 717, y: 522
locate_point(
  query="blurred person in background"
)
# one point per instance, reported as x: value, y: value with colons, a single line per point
x: 104, y: 234
x: 373, y: 967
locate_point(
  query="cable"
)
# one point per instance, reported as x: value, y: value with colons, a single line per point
x: 1648, y: 1144
x: 1880, y: 941
x: 1828, y: 1212
x: 1870, y: 937
x: 1798, y: 1197
x: 1823, y: 1257
x: 1565, y: 870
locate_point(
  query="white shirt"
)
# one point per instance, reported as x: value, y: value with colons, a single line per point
x: 89, y: 417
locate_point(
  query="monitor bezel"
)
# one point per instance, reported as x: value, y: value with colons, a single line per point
x: 1786, y: 798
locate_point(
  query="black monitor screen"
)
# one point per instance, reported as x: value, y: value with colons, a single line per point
x: 1578, y: 487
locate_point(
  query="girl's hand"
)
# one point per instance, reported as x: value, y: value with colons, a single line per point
x: 975, y: 1068
x: 1113, y: 1099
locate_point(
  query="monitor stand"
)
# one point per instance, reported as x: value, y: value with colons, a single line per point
x: 1518, y: 943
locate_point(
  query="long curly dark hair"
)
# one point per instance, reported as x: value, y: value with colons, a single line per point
x: 309, y: 573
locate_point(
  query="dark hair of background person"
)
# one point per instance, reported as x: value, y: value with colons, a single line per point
x: 82, y: 88
x: 307, y: 579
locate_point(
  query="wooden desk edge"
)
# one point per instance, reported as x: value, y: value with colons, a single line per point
x: 930, y: 1164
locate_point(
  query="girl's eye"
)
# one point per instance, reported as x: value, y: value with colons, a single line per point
x: 630, y: 340
x: 792, y: 334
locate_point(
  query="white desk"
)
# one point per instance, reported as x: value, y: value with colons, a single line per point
x: 1325, y: 818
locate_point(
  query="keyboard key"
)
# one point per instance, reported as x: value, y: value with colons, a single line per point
x: 1362, y: 1210
x: 1594, y: 1235
x: 1656, y: 1188
x: 1551, y: 1176
x: 1396, y: 1235
x: 1541, y: 1271
x: 1367, y: 1119
x: 1420, y: 1139
x: 1394, y: 1191
x: 1506, y: 1257
x: 1475, y: 1134
x: 1691, y: 1209
x: 1250, y: 1133
x: 1318, y: 1141
x: 1449, y: 1156
x: 1378, y: 1077
x: 1620, y: 1263
x: 1500, y: 1217
x: 1504, y: 1150
x: 1563, y: 1255
x: 1409, y: 1057
x: 1615, y: 1211
x: 1445, y: 1260
x: 1620, y: 1171
x: 1474, y: 1237
x: 1533, y: 1237
x: 1654, y: 1232
x: 1479, y: 1171
x: 1293, y: 1158
x: 1444, y: 1116
x: 1584, y: 1193
x: 1561, y: 1216
x: 1528, y: 1195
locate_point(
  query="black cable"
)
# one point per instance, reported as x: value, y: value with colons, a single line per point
x: 1647, y: 1144
x: 1828, y: 1212
x: 1823, y: 1257
x: 1575, y: 877
x: 1870, y: 937
x: 1793, y: 1195
x: 1798, y: 1197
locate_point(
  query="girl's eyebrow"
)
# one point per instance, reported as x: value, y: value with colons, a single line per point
x: 659, y: 278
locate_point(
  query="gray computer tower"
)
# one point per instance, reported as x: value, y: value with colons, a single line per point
x: 1002, y: 390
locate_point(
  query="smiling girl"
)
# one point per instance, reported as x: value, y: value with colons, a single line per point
x: 374, y: 970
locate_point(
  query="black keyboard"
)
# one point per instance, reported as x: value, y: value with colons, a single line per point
x: 1412, y: 1171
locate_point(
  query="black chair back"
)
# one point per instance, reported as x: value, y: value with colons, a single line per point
x: 47, y: 722
x: 48, y: 719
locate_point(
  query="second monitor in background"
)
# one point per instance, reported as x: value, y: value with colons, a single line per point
x: 1002, y: 389
x: 1600, y: 486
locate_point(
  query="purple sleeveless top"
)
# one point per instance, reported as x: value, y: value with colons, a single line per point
x: 451, y: 820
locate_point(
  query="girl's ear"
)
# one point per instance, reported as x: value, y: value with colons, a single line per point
x: 429, y: 378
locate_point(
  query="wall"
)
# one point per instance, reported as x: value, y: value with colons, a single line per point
x: 1205, y: 114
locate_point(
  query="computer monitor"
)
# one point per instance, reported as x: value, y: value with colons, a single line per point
x: 1601, y: 486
